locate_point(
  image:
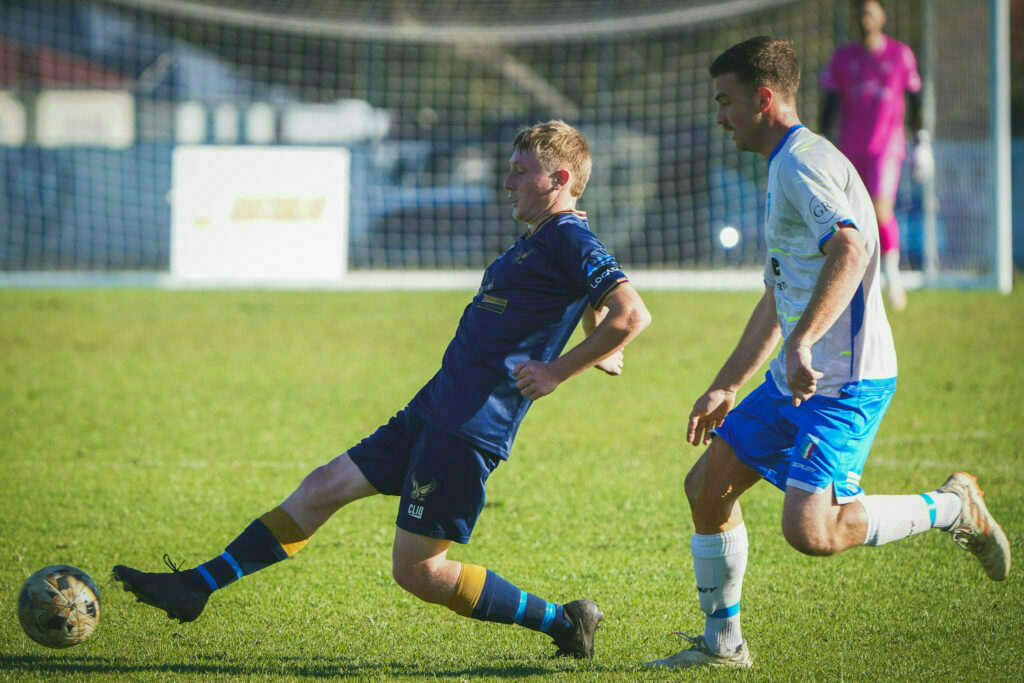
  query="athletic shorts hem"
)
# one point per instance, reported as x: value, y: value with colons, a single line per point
x: 462, y: 540
x: 803, y: 486
x: 739, y: 454
x: 845, y: 500
x: 367, y: 474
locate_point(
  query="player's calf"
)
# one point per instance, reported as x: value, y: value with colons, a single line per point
x: 484, y: 595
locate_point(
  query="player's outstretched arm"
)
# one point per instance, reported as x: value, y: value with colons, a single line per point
x: 759, y: 338
x: 626, y: 317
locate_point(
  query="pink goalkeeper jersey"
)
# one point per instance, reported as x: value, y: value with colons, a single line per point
x: 872, y: 87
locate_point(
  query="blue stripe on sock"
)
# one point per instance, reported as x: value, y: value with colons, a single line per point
x: 549, y: 616
x: 234, y: 565
x: 522, y: 607
x: 207, y: 576
x: 931, y: 507
x: 726, y: 612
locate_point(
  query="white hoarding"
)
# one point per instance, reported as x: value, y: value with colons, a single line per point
x: 12, y: 121
x: 95, y: 118
x: 259, y: 214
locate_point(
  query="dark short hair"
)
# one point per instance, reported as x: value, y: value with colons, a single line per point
x: 762, y: 62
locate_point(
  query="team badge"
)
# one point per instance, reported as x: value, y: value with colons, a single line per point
x: 421, y: 492
x: 522, y: 255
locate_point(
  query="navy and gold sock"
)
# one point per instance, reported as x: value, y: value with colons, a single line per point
x: 482, y: 594
x: 273, y: 537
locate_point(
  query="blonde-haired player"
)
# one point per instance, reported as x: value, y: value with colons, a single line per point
x: 437, y: 453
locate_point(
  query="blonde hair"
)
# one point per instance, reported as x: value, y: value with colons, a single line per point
x: 557, y: 144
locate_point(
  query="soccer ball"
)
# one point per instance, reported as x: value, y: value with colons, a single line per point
x: 59, y: 606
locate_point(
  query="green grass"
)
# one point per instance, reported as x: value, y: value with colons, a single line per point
x: 134, y: 423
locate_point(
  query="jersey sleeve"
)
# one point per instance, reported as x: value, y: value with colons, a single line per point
x: 819, y: 199
x: 912, y: 80
x: 588, y: 264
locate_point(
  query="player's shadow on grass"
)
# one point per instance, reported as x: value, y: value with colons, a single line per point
x: 292, y: 666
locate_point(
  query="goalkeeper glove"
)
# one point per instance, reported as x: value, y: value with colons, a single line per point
x: 921, y: 157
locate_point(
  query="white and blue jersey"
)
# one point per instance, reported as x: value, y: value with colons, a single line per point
x: 528, y: 305
x: 813, y: 191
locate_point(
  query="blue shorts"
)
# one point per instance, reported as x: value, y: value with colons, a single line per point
x: 823, y: 441
x: 439, y: 477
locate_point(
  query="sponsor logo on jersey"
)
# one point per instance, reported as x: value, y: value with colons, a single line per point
x: 822, y: 210
x: 595, y: 281
x: 600, y: 268
x: 595, y: 264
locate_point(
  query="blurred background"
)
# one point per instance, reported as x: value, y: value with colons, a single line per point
x: 100, y: 101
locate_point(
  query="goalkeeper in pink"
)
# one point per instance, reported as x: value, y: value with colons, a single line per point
x: 869, y: 83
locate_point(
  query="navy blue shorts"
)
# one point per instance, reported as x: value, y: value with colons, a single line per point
x: 440, y: 477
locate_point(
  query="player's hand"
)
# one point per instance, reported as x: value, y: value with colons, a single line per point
x: 536, y: 379
x: 708, y: 412
x: 801, y: 377
x: 612, y: 365
x: 922, y: 159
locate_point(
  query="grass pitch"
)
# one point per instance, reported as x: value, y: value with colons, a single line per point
x: 135, y: 423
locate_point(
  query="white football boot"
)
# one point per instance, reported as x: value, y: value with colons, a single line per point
x: 975, y: 530
x: 699, y: 655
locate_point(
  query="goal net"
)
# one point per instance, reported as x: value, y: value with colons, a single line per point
x: 425, y: 97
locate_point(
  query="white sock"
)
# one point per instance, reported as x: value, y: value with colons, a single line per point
x: 719, y: 561
x: 944, y: 507
x: 891, y: 518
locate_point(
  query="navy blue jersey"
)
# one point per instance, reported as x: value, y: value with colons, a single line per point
x: 530, y: 301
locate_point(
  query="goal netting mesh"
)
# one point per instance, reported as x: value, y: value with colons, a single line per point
x: 426, y: 95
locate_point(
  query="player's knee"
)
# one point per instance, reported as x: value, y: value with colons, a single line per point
x: 413, y: 578
x: 693, y: 484
x: 324, y: 489
x: 316, y: 486
x: 809, y: 539
x: 707, y: 507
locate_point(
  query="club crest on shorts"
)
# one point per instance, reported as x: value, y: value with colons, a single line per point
x: 421, y: 492
x: 808, y: 449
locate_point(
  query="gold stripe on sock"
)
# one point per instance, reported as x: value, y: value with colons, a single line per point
x: 468, y: 589
x: 285, y: 530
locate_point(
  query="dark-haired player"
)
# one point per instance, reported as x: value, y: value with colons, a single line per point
x: 808, y: 427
